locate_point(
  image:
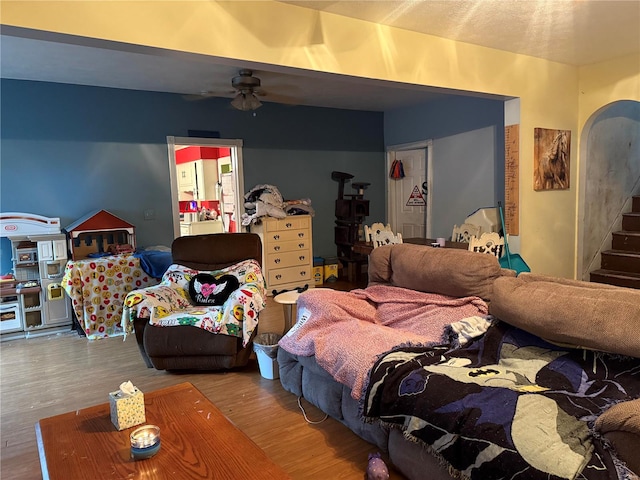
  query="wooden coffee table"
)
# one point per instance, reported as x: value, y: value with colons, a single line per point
x: 197, y: 441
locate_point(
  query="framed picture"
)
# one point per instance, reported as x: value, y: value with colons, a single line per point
x: 551, y: 155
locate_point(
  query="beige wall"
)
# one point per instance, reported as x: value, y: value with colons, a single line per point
x: 552, y: 95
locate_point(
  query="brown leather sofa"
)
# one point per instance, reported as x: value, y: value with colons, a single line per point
x: 187, y: 348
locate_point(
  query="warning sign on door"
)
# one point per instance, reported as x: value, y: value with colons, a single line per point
x: 416, y: 199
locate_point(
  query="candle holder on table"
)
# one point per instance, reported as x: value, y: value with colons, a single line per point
x: 145, y: 442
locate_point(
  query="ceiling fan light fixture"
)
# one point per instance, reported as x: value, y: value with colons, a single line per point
x: 246, y: 101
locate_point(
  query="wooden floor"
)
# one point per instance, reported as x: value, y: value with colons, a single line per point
x: 46, y: 376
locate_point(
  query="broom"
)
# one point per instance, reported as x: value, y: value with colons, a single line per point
x: 509, y: 260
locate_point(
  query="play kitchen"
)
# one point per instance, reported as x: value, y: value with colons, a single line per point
x: 32, y: 299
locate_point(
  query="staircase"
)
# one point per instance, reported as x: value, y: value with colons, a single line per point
x: 621, y: 265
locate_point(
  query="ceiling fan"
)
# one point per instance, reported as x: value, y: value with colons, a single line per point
x: 248, y: 88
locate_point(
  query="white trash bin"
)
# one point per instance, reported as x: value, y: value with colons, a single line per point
x: 266, y: 347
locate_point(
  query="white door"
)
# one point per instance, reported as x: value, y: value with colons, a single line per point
x: 409, y: 197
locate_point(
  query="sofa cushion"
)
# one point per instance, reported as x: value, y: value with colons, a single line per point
x: 621, y: 426
x: 184, y: 340
x: 447, y: 271
x: 571, y: 312
x: 538, y: 277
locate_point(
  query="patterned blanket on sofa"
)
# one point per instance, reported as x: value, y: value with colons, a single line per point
x: 509, y: 405
x: 169, y: 304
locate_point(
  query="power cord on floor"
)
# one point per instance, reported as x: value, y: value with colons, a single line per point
x: 304, y: 414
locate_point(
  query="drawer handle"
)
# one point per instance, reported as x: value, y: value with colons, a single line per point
x: 276, y: 237
x: 277, y: 248
x: 277, y: 260
x: 278, y: 277
x: 301, y: 235
x: 301, y: 257
x: 303, y: 273
x: 301, y: 245
x: 289, y: 225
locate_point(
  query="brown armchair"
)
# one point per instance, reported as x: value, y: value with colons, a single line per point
x: 185, y: 347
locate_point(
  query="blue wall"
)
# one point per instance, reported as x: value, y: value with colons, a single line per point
x: 68, y: 150
x: 468, y: 153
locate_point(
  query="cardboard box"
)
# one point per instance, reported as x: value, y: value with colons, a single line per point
x: 127, y: 410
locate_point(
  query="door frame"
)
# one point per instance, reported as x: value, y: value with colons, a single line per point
x: 391, y: 150
x: 236, y: 161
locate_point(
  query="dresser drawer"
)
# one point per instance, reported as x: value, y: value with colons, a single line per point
x: 288, y: 259
x: 289, y: 223
x: 286, y: 236
x: 288, y: 275
x: 288, y: 246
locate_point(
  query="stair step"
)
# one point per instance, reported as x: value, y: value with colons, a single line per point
x: 631, y: 221
x: 620, y: 261
x: 627, y: 241
x: 635, y: 204
x: 612, y: 277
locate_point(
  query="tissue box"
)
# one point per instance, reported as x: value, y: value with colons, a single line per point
x: 127, y: 410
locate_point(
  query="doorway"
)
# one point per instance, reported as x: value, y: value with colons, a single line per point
x: 409, y: 197
x: 207, y: 185
x: 609, y: 177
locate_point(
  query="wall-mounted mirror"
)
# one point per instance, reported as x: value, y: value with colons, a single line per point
x: 206, y: 185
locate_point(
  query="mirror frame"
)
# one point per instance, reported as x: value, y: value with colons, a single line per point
x: 236, y: 161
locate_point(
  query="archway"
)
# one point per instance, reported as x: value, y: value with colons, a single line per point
x: 609, y: 176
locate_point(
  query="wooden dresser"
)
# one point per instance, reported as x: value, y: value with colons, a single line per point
x: 287, y: 252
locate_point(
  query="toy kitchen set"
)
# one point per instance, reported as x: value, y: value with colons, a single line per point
x: 33, y: 302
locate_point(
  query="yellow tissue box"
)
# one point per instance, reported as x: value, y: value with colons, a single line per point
x: 127, y: 410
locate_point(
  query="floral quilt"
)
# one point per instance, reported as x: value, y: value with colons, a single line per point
x: 169, y: 304
x: 97, y: 288
x: 509, y: 405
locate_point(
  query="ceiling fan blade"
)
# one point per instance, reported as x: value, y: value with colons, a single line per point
x: 277, y: 98
x: 195, y: 97
x: 208, y: 94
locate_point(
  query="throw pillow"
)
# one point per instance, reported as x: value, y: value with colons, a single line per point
x: 205, y: 289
